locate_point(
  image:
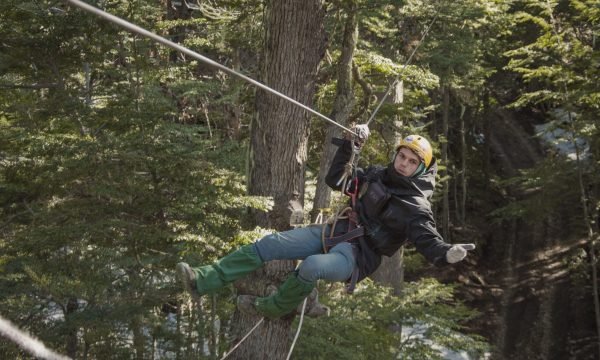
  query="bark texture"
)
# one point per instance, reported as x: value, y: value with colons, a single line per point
x: 294, y: 46
x: 446, y: 190
x: 342, y: 107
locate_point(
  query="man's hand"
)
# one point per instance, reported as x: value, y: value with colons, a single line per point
x: 458, y: 252
x: 362, y: 131
x: 362, y: 134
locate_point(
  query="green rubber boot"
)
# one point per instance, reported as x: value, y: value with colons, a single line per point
x: 289, y: 295
x: 210, y: 278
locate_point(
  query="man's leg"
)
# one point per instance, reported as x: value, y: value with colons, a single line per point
x: 210, y: 278
x: 337, y: 265
x: 296, y: 244
x: 293, y: 244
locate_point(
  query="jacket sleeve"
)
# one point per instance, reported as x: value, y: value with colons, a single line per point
x: 427, y: 240
x: 341, y: 158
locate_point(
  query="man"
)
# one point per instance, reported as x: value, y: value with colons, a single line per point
x: 391, y: 208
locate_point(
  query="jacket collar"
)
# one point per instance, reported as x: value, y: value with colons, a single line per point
x: 423, y: 185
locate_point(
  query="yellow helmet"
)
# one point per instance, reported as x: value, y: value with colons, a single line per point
x: 420, y: 146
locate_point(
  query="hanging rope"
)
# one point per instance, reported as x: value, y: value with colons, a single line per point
x: 392, y: 85
x: 27, y: 342
x: 243, y: 339
x: 350, y: 170
x: 297, y: 331
x: 141, y: 31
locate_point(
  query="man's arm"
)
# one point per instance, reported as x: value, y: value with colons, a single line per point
x: 428, y: 241
x: 338, y: 165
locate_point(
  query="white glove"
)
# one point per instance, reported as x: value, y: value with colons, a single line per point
x: 458, y: 252
x: 362, y: 131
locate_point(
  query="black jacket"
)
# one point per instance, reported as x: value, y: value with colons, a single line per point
x: 405, y: 216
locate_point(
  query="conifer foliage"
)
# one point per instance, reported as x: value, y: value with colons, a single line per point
x: 105, y: 185
x: 119, y: 158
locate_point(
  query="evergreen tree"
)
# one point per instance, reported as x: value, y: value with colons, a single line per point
x: 559, y: 63
x: 104, y: 186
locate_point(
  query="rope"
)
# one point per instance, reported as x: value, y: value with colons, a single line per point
x: 243, y: 339
x: 352, y: 163
x: 141, y: 31
x: 389, y: 90
x: 27, y: 342
x: 260, y: 322
x: 340, y: 215
x: 348, y: 170
x: 297, y: 331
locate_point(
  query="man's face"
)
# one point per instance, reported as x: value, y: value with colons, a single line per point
x: 406, y: 162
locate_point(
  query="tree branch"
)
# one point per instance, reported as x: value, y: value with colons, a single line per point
x: 367, y: 93
x: 34, y: 86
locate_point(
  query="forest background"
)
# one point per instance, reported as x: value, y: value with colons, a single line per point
x: 120, y: 157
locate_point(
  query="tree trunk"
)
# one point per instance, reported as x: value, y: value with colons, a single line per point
x: 446, y: 201
x: 463, y: 168
x: 72, y: 339
x: 177, y: 33
x: 391, y: 270
x: 179, y: 332
x: 139, y: 339
x: 486, y: 136
x: 233, y: 110
x: 593, y: 238
x: 342, y: 106
x: 294, y: 46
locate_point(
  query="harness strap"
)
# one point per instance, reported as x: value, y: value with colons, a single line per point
x: 351, y: 283
x: 352, y: 236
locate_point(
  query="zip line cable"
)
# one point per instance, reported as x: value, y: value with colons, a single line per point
x: 389, y: 90
x: 27, y: 342
x: 141, y: 31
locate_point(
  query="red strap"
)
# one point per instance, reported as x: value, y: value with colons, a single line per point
x: 353, y: 194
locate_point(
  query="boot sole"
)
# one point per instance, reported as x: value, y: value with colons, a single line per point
x: 182, y: 275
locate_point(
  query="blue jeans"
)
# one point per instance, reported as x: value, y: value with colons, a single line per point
x: 305, y: 244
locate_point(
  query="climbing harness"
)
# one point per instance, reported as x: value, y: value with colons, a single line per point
x: 352, y: 236
x: 354, y: 231
x: 141, y: 31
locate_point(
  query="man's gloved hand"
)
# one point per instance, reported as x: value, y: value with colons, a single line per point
x: 458, y: 252
x: 362, y: 134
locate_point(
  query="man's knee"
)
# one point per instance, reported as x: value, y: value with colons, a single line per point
x: 331, y: 267
x: 266, y: 246
x: 310, y: 268
x: 344, y: 249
